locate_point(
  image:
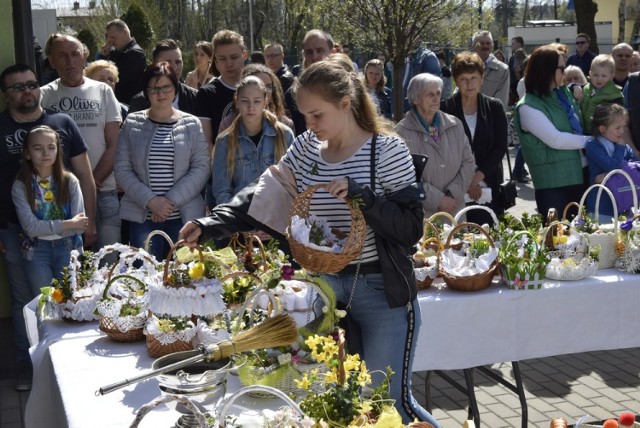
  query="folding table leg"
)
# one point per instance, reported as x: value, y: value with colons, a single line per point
x: 471, y: 393
x: 427, y: 390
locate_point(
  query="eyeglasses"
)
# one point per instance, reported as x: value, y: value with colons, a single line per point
x: 561, y: 68
x: 19, y: 87
x: 581, y: 42
x: 155, y: 90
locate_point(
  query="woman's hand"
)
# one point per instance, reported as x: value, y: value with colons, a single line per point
x: 190, y: 233
x: 475, y: 192
x: 338, y: 187
x: 447, y: 204
x: 598, y: 179
x: 161, y: 207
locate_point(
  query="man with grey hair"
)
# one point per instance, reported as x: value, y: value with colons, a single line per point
x: 274, y: 55
x: 496, y: 73
x: 128, y: 56
x: 94, y: 108
x: 622, y: 54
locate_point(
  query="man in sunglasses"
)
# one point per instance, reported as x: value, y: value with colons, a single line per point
x: 21, y: 91
x: 583, y: 56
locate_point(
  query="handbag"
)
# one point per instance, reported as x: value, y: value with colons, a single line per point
x: 508, y: 191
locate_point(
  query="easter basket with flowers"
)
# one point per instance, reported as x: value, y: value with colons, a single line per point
x: 73, y: 297
x: 569, y: 253
x: 188, y: 290
x: 523, y: 261
x: 602, y: 237
x: 473, y: 267
x: 425, y: 259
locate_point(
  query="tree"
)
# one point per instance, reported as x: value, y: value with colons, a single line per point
x: 394, y: 27
x: 86, y: 36
x: 585, y: 18
x: 138, y: 22
x: 621, y: 20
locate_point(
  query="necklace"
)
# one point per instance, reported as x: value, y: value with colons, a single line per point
x: 46, y: 185
x: 33, y: 118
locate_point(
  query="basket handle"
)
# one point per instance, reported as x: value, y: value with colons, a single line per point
x: 147, y: 241
x: 185, y: 401
x: 123, y: 258
x: 565, y: 211
x: 600, y: 188
x: 105, y: 293
x: 251, y: 305
x: 465, y: 210
x: 249, y: 239
x: 444, y: 214
x: 634, y: 192
x: 167, y: 263
x: 226, y: 407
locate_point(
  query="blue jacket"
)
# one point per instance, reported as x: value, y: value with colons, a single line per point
x: 422, y: 60
x: 600, y: 162
x: 251, y: 161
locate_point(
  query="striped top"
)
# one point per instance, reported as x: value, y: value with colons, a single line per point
x: 394, y: 171
x: 161, y: 163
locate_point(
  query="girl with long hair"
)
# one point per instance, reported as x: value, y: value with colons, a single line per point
x: 50, y: 208
x: 254, y: 141
x: 349, y: 150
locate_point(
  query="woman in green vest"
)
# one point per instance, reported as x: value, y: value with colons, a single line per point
x: 549, y: 126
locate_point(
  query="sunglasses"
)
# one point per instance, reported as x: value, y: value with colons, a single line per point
x: 19, y: 87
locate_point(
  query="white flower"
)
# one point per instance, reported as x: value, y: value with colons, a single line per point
x: 340, y: 313
x: 284, y: 359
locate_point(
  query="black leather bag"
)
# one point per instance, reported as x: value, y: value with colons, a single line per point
x: 508, y: 191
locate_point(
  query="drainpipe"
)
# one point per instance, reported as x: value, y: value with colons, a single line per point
x: 23, y: 32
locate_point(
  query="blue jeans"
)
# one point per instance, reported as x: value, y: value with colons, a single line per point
x: 21, y: 292
x: 108, y: 218
x: 159, y: 247
x: 387, y: 336
x: 518, y: 166
x: 49, y: 258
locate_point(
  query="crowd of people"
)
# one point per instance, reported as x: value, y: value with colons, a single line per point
x: 112, y: 149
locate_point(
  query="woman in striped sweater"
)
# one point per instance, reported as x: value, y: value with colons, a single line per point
x: 349, y: 150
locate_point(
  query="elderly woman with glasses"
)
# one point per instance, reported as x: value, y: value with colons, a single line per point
x: 485, y: 125
x: 550, y: 130
x: 162, y: 164
x: 440, y: 136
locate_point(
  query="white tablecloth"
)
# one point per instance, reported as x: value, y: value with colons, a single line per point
x: 459, y: 330
x: 467, y: 329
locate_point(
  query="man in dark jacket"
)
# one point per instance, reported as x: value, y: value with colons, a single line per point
x: 168, y: 50
x: 275, y: 61
x: 128, y: 56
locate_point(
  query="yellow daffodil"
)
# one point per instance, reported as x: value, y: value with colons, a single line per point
x: 331, y: 376
x: 196, y: 270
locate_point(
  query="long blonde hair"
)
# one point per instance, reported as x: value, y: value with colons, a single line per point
x: 59, y: 174
x: 233, y: 131
x: 332, y: 82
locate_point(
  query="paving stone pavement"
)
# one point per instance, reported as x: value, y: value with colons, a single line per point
x: 600, y: 384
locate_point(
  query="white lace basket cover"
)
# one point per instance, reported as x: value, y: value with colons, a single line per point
x: 205, y: 299
x: 569, y: 270
x: 153, y: 329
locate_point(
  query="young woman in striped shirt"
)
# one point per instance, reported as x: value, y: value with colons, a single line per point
x: 350, y: 150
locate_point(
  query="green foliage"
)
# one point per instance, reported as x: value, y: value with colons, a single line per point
x: 88, y: 38
x: 139, y: 24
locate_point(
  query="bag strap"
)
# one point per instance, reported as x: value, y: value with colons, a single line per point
x: 373, y: 162
x: 509, y: 164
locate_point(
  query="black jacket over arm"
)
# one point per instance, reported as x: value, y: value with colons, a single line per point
x: 489, y: 143
x: 396, y: 220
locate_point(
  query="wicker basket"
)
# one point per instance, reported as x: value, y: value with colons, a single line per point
x: 242, y: 248
x: 110, y: 324
x: 475, y: 282
x: 607, y: 240
x: 323, y: 261
x: 465, y: 210
x: 530, y: 280
x: 441, y: 232
x: 155, y: 349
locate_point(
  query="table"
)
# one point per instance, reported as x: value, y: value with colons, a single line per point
x: 459, y: 330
